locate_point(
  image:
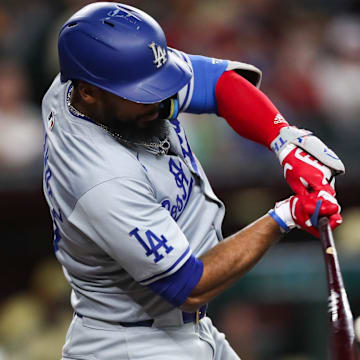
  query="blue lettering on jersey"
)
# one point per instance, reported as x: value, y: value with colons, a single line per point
x: 47, y: 176
x: 56, y: 216
x: 150, y: 247
x: 184, y: 184
x: 47, y: 170
x: 185, y: 146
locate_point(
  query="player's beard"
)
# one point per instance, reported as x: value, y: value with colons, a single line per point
x: 131, y: 132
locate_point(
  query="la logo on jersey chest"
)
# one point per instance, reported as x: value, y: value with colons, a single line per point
x: 160, y: 56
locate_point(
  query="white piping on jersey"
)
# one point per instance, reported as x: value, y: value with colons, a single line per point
x: 73, y: 111
x: 185, y: 94
x: 190, y: 86
x: 172, y: 269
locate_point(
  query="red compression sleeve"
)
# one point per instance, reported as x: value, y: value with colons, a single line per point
x: 248, y: 110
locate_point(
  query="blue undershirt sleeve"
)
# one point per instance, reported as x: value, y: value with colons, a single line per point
x: 176, y: 287
x: 207, y: 71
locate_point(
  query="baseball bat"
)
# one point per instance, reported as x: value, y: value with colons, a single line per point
x: 342, y: 334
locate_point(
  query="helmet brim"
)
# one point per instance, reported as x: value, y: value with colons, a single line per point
x: 168, y: 80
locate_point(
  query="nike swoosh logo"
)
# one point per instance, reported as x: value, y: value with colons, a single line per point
x: 332, y: 155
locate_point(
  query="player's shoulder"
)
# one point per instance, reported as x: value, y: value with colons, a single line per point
x: 81, y: 154
x: 181, y: 55
x: 198, y: 95
x: 53, y: 91
x: 249, y: 71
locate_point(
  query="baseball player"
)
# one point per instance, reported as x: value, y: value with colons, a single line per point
x: 137, y: 227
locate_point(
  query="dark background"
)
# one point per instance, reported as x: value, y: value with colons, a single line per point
x: 309, y: 52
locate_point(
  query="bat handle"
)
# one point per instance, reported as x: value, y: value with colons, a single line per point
x: 341, y: 320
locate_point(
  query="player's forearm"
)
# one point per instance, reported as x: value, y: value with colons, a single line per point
x: 232, y: 258
x: 247, y: 109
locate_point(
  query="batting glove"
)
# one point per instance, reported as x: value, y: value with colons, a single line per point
x: 309, y: 165
x: 303, y: 211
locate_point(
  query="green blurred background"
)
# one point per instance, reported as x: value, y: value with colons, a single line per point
x: 309, y: 52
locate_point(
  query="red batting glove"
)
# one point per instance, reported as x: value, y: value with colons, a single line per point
x: 303, y: 211
x: 309, y: 165
x: 304, y: 173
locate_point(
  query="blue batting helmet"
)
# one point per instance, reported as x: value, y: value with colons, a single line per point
x: 122, y: 50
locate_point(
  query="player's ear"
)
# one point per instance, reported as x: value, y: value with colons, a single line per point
x: 88, y: 92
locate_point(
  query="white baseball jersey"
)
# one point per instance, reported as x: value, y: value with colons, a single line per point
x: 124, y: 217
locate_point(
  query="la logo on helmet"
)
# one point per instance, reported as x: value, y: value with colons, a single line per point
x: 159, y: 54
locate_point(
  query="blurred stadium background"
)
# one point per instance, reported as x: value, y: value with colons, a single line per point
x: 309, y: 52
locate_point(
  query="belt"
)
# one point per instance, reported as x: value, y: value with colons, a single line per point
x: 187, y: 318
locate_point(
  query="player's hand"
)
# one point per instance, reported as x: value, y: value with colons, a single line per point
x: 305, y: 174
x: 309, y: 165
x: 303, y: 211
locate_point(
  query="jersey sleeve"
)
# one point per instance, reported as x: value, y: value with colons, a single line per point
x: 199, y: 95
x: 123, y: 217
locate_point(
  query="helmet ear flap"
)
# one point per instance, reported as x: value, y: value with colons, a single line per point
x: 169, y: 108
